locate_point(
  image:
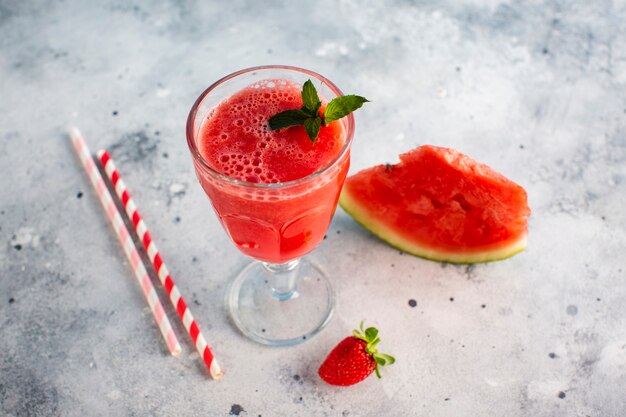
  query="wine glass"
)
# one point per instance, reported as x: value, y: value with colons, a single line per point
x: 280, y: 299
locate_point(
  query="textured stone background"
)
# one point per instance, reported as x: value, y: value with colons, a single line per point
x: 537, y: 89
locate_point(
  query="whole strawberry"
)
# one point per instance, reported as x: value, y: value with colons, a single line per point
x: 354, y: 358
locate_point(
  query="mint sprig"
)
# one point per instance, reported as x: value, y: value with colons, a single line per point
x: 308, y: 115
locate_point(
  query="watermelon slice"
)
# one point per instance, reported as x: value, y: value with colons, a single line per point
x: 442, y: 205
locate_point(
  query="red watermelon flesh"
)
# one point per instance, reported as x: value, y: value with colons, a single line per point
x: 440, y: 204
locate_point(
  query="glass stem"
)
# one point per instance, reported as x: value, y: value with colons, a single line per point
x: 282, y: 279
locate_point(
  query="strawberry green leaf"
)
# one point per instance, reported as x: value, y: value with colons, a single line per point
x: 342, y: 106
x: 388, y: 359
x: 371, y: 333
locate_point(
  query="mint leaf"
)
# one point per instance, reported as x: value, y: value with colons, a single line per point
x: 288, y: 118
x: 308, y: 116
x: 312, y: 126
x: 342, y: 106
x: 310, y: 99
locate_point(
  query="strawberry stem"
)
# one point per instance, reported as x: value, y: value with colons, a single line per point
x: 370, y: 336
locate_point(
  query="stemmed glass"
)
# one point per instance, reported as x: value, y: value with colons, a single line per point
x: 281, y: 298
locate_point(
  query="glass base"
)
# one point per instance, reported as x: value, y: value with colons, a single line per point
x: 280, y: 304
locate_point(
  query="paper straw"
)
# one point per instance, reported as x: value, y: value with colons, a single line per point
x: 127, y: 242
x: 155, y: 257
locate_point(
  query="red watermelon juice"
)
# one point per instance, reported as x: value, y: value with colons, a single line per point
x: 274, y: 192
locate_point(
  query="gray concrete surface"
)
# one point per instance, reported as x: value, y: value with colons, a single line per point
x: 536, y: 89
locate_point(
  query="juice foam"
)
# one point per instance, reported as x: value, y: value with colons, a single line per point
x: 236, y: 141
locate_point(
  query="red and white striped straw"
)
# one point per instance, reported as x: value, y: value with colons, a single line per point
x: 127, y: 242
x: 153, y: 253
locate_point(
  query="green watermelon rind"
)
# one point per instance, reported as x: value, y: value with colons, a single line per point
x: 360, y: 215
